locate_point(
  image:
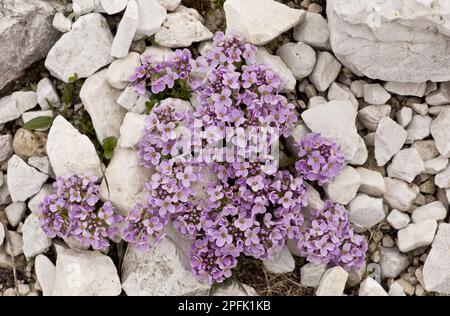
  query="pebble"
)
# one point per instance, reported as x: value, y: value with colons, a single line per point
x: 15, y: 213
x: 45, y: 274
x: 125, y: 31
x: 113, y: 6
x: 440, y: 96
x: 61, y: 23
x: 436, y: 165
x: 131, y: 130
x: 170, y: 4
x: 325, y: 72
x: 416, y: 235
x: 332, y: 282
x: 404, y: 116
x: 419, y: 128
x: 392, y: 262
x: 399, y: 195
x: 435, y: 210
x: 371, y: 115
x: 426, y: 148
x: 2, y: 234
x: 396, y: 290
x: 370, y: 287
x: 365, y: 211
x: 440, y: 130
x: 340, y: 92
x: 6, y: 148
x: 372, y: 182
x: 406, y: 165
x: 375, y: 94
x: 313, y: 30
x: 81, y: 7
x: 311, y: 274
x: 300, y: 58
x: 406, y: 88
x: 15, y: 247
x: 442, y: 179
x: 35, y: 240
x: 151, y: 16
x: 389, y: 139
x: 122, y: 69
x: 343, y: 188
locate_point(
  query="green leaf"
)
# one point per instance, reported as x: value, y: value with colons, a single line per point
x: 109, y: 144
x: 40, y: 122
x: 68, y: 90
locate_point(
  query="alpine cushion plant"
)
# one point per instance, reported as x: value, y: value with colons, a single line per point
x: 250, y: 208
x: 75, y: 210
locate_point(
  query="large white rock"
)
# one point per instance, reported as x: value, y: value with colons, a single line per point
x: 416, y: 235
x: 122, y: 69
x: 299, y: 57
x: 325, y: 72
x: 277, y: 65
x: 35, y: 241
x: 45, y: 274
x: 370, y: 287
x: 83, y: 50
x: 436, y: 271
x: 125, y: 31
x: 163, y: 270
x: 85, y: 273
x: 332, y: 282
x: 406, y: 165
x: 372, y: 182
x: 434, y: 210
x: 389, y: 139
x: 26, y: 35
x: 399, y: 194
x: 126, y: 180
x: 99, y: 100
x: 313, y: 30
x: 335, y: 119
x: 440, y: 130
x: 344, y: 187
x: 260, y: 21
x: 181, y: 29
x: 282, y: 262
x: 365, y: 211
x: 70, y: 152
x: 392, y: 40
x: 23, y: 180
x: 151, y: 16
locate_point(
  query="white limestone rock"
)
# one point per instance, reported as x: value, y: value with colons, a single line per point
x: 313, y: 30
x: 416, y: 235
x: 83, y: 50
x: 70, y: 152
x: 275, y: 64
x: 85, y: 273
x: 370, y: 287
x: 436, y: 271
x: 282, y: 262
x: 23, y: 180
x: 372, y: 182
x: 335, y: 119
x: 375, y: 94
x: 126, y: 180
x: 182, y: 28
x: 440, y: 96
x: 15, y: 212
x: 426, y: 148
x: 436, y: 165
x: 113, y: 6
x: 399, y: 194
x: 434, y: 210
x: 46, y: 93
x: 419, y: 128
x: 398, y: 220
x: 442, y: 179
x: 42, y: 164
x: 365, y: 211
x: 151, y: 16
x: 131, y: 130
x: 339, y: 91
x: 406, y: 88
x: 6, y: 148
x: 343, y: 188
x: 440, y: 130
x: 396, y: 290
x: 311, y: 274
x: 406, y: 165
x: 332, y: 282
x: 163, y: 270
x: 45, y: 274
x: 126, y: 30
x: 122, y: 69
x: 391, y: 40
x: 81, y: 7
x: 404, y: 116
x: 325, y: 72
x: 392, y: 262
x: 99, y: 100
x: 61, y: 23
x: 35, y: 240
x: 371, y: 115
x: 299, y: 57
x: 170, y: 5
x: 260, y: 21
x: 33, y: 204
x: 389, y: 139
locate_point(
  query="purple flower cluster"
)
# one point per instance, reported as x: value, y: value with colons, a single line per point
x: 330, y: 239
x: 247, y: 208
x: 161, y: 75
x: 321, y: 159
x: 75, y: 211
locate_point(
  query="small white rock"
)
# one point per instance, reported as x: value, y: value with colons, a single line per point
x: 45, y: 274
x: 15, y: 212
x: 416, y: 235
x: 436, y: 165
x: 311, y: 274
x: 419, y: 128
x: 33, y: 204
x: 338, y: 91
x: 398, y: 220
x: 442, y: 179
x: 389, y: 139
x: 299, y: 57
x: 392, y: 262
x: 151, y: 16
x: 2, y: 234
x: 440, y: 130
x: 170, y: 5
x: 404, y: 116
x: 113, y: 6
x: 35, y: 240
x: 128, y: 98
x: 370, y: 287
x: 396, y: 290
x: 406, y: 88
x: 125, y: 31
x: 325, y: 72
x: 372, y: 182
x: 365, y: 211
x: 313, y: 30
x: 42, y: 164
x: 441, y: 96
x: 62, y: 23
x: 399, y: 194
x: 81, y: 7
x: 406, y: 165
x: 343, y: 188
x: 122, y: 69
x: 46, y: 93
x: 426, y: 148
x: 375, y: 94
x: 435, y: 210
x: 332, y: 282
x: 371, y: 115
x: 131, y: 130
x: 23, y: 180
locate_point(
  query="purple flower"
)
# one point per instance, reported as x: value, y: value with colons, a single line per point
x: 256, y: 183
